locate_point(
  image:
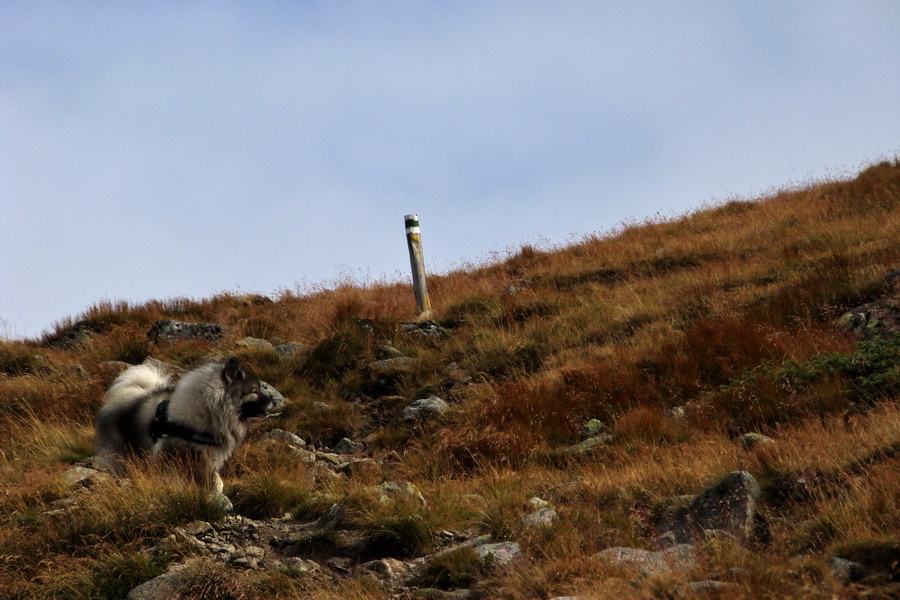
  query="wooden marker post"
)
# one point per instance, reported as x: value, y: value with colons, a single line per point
x: 417, y: 261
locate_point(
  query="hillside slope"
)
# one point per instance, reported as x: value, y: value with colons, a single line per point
x: 593, y: 393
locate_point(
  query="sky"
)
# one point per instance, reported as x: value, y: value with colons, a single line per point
x: 159, y: 150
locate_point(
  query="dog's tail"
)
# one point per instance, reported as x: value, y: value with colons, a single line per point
x: 136, y: 381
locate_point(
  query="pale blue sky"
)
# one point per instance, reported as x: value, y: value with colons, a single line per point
x: 180, y: 149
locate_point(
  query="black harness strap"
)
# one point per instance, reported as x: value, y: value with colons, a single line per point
x: 161, y: 427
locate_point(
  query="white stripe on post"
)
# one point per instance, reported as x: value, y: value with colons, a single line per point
x: 417, y: 262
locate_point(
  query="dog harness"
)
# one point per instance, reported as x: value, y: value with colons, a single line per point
x: 161, y: 427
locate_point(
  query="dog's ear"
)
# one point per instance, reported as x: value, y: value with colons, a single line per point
x: 232, y: 371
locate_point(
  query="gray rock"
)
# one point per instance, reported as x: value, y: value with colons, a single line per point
x: 425, y: 329
x: 289, y: 351
x: 168, y: 330
x: 79, y: 477
x: 223, y: 502
x: 872, y: 320
x: 333, y: 518
x: 166, y: 585
x: 679, y: 557
x: 845, y: 570
x: 390, y: 570
x: 348, y: 446
x: 300, y: 565
x: 285, y: 437
x: 391, y: 366
x: 750, y: 441
x: 729, y: 507
x: 391, y: 491
x: 387, y: 351
x: 499, y: 555
x: 541, y: 518
x: 425, y: 408
x: 589, y: 445
x: 593, y: 428
x: 272, y: 393
x: 74, y: 336
x: 538, y: 503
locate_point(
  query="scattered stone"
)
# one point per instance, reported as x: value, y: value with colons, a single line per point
x: 333, y: 518
x: 168, y: 330
x: 845, y: 570
x: 499, y: 555
x: 679, y: 557
x: 76, y: 335
x: 348, y: 446
x: 729, y: 507
x: 289, y: 350
x: 97, y: 463
x: 589, y: 445
x: 285, y: 437
x: 299, y: 565
x: 872, y: 320
x: 425, y: 329
x: 541, y: 518
x: 223, y: 502
x: 387, y: 351
x: 593, y: 428
x: 166, y: 585
x: 751, y: 441
x: 676, y: 412
x: 425, y: 408
x: 252, y: 342
x: 390, y: 570
x: 196, y: 528
x: 83, y: 477
x: 331, y: 458
x: 538, y: 503
x: 391, y: 491
x: 391, y: 366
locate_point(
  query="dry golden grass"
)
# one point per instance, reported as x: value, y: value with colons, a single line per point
x: 663, y: 330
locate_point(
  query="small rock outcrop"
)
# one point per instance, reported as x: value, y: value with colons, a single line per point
x: 425, y: 329
x: 589, y: 445
x: 875, y: 319
x: 751, y: 441
x: 679, y: 557
x: 729, y: 507
x: 168, y: 330
x: 425, y: 409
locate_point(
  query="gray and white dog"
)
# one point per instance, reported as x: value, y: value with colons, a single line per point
x: 199, y: 421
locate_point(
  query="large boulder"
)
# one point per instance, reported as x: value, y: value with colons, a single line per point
x: 729, y: 506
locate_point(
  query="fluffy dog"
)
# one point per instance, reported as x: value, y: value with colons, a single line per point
x: 200, y: 420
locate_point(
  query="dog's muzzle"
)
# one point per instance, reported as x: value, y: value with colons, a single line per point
x: 266, y: 403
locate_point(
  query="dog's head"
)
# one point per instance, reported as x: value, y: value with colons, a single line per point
x: 250, y: 395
